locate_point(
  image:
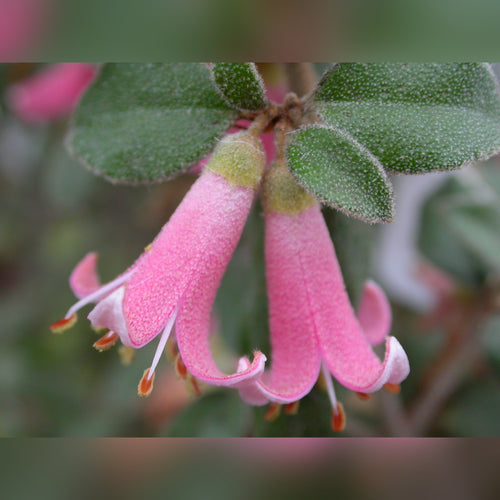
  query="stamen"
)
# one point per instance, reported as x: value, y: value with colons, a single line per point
x: 106, y: 342
x: 64, y: 324
x: 100, y: 293
x: 327, y: 378
x: 273, y: 412
x: 180, y: 367
x: 162, y: 343
x: 363, y: 396
x: 292, y: 408
x: 127, y: 355
x: 338, y: 418
x: 171, y: 350
x: 392, y: 388
x: 193, y: 386
x: 146, y: 384
x: 338, y: 414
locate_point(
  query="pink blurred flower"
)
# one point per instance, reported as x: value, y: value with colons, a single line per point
x: 52, y: 93
x: 21, y: 24
x: 312, y: 323
x: 176, y: 279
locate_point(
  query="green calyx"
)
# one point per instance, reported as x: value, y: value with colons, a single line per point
x: 240, y: 159
x: 282, y: 194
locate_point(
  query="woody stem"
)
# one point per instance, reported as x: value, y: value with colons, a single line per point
x: 301, y: 77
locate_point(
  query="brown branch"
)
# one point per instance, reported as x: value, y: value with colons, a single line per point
x: 301, y: 78
x: 454, y: 362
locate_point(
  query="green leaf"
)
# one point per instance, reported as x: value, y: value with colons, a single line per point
x: 340, y: 173
x: 415, y: 117
x: 148, y: 122
x: 240, y: 84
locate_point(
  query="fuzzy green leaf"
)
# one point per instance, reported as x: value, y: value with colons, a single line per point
x: 240, y: 84
x: 340, y: 173
x: 148, y: 122
x: 415, y: 117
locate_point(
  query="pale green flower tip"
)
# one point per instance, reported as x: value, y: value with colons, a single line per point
x: 282, y: 194
x: 240, y: 159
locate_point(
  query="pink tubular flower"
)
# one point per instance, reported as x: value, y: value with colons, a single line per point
x: 312, y: 323
x: 175, y: 280
x: 53, y: 93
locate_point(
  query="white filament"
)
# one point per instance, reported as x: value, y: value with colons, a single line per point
x: 329, y: 386
x: 161, y: 345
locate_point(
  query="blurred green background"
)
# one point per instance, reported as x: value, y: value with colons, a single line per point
x: 53, y: 211
x: 270, y: 30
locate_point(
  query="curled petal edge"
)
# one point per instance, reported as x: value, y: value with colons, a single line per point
x: 374, y: 313
x: 108, y: 313
x: 258, y: 393
x: 249, y: 391
x: 245, y: 374
x: 394, y: 370
x: 84, y: 279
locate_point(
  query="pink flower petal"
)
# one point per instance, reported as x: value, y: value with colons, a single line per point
x: 53, y: 93
x: 374, y: 313
x: 193, y: 334
x: 84, y: 279
x: 296, y: 359
x: 200, y: 237
x: 216, y: 221
x: 250, y: 392
x: 108, y: 313
x: 394, y: 369
x: 344, y: 347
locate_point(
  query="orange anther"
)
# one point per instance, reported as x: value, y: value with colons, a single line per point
x: 363, y: 396
x: 171, y: 350
x: 338, y: 418
x: 63, y: 324
x: 146, y: 384
x: 392, y: 388
x: 104, y: 343
x: 273, y: 412
x: 292, y: 408
x: 127, y: 354
x: 193, y: 384
x: 180, y: 367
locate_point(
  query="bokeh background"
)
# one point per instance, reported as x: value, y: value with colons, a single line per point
x: 262, y: 30
x: 241, y: 468
x: 439, y: 262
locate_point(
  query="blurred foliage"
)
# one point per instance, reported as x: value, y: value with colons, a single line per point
x: 162, y: 30
x: 53, y: 211
x: 246, y: 469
